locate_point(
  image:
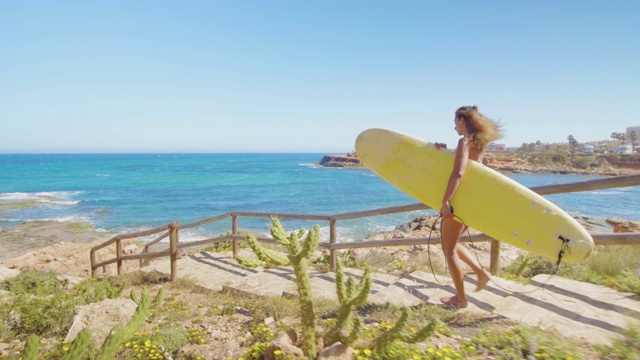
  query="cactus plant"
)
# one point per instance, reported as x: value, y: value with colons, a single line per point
x: 30, y: 351
x: 298, y: 257
x: 349, y: 298
x: 399, y: 332
x: 82, y: 347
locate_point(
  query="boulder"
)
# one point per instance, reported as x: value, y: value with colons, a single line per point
x: 100, y: 318
x: 337, y: 351
x: 287, y: 349
x: 6, y: 273
x: 623, y: 226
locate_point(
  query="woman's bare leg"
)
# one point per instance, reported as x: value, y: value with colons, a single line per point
x: 451, y: 231
x: 483, y: 276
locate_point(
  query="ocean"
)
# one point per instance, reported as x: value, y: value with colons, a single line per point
x: 121, y: 193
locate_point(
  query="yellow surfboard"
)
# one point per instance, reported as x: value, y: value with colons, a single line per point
x: 485, y: 200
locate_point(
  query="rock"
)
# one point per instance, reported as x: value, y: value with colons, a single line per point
x: 100, y: 318
x: 283, y: 343
x: 350, y: 161
x: 6, y: 273
x: 623, y: 226
x: 423, y: 222
x: 337, y: 351
x: 130, y: 249
x: 293, y: 336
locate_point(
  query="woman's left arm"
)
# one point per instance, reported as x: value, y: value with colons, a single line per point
x: 459, y: 167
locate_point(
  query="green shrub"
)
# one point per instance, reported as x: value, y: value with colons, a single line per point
x: 625, y: 349
x: 581, y: 162
x: 50, y: 315
x: 34, y: 283
x: 172, y: 339
x: 612, y: 267
x: 520, y: 343
x: 94, y: 290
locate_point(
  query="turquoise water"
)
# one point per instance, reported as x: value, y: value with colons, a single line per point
x: 130, y: 192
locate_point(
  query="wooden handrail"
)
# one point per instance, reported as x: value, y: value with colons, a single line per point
x: 589, y: 185
x: 598, y: 239
x: 130, y: 236
x: 173, y: 228
x: 282, y: 216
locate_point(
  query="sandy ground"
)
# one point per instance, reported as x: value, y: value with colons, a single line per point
x: 63, y: 247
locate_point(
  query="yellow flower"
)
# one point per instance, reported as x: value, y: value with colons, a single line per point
x: 65, y: 348
x: 367, y: 352
x: 277, y: 352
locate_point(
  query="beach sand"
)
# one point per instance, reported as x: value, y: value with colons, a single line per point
x: 63, y: 247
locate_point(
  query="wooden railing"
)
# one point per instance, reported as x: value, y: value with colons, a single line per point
x: 172, y: 230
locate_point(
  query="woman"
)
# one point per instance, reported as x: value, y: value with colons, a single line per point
x: 476, y: 131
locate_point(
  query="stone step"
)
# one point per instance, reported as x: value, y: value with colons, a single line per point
x: 575, y: 309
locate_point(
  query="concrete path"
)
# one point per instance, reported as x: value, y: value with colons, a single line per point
x: 575, y: 309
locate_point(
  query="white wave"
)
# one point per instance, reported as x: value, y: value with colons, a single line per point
x: 68, y: 218
x: 39, y: 196
x: 61, y: 202
x: 313, y: 166
x: 103, y: 175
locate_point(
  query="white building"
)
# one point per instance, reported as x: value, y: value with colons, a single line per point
x: 586, y: 148
x: 493, y: 147
x: 632, y: 128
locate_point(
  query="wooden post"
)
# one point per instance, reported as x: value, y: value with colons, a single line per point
x: 173, y: 249
x: 93, y: 261
x: 332, y: 240
x: 119, y: 255
x: 234, y: 231
x: 494, y: 268
x: 144, y: 262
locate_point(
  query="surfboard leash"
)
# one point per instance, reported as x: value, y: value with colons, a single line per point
x: 564, y: 249
x: 432, y: 228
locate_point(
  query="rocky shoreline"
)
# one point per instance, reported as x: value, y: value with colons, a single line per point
x: 535, y: 163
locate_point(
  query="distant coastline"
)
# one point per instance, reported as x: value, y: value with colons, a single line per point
x: 537, y: 163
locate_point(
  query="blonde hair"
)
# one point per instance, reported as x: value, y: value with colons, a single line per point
x: 482, y: 129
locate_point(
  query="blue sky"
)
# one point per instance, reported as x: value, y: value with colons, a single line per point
x: 309, y: 76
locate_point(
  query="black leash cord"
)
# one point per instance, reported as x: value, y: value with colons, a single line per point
x: 564, y: 249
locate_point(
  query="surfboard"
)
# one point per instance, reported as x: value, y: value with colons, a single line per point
x: 486, y: 200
